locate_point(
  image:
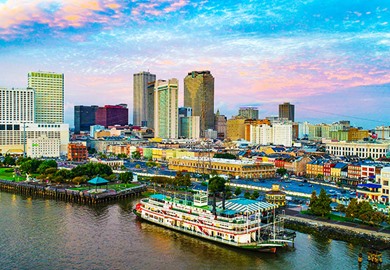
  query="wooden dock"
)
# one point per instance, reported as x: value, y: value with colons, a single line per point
x: 63, y: 194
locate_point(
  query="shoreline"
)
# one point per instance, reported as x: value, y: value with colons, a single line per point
x: 355, y: 235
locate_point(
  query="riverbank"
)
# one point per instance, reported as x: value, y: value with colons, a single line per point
x: 351, y: 233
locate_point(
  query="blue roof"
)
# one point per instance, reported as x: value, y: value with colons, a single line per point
x: 370, y: 185
x: 158, y: 196
x: 340, y: 165
x: 98, y: 181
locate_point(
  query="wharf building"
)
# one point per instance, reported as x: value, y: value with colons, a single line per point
x: 166, y: 109
x: 373, y: 150
x: 49, y: 96
x: 240, y: 168
x: 111, y: 115
x: 199, y: 95
x: 143, y: 99
x: 84, y: 117
x: 287, y: 111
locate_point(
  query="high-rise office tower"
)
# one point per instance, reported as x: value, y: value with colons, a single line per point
x: 220, y: 125
x: 111, y: 115
x: 143, y: 98
x: 286, y: 111
x: 16, y: 105
x: 166, y: 109
x: 84, y: 117
x: 49, y: 96
x: 249, y: 112
x: 199, y: 95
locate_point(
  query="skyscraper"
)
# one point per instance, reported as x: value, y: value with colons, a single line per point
x: 166, y: 109
x: 286, y: 111
x: 143, y: 98
x: 84, y: 117
x: 111, y: 115
x: 199, y: 95
x: 249, y: 112
x: 16, y: 105
x: 49, y: 96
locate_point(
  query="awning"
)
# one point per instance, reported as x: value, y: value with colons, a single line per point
x: 370, y: 185
x: 247, y: 206
x: 98, y: 181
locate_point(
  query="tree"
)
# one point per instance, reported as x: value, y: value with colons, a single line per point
x: 47, y: 164
x: 321, y: 205
x: 352, y: 210
x: 341, y: 208
x: 136, y: 155
x: 247, y: 194
x: 126, y: 177
x: 281, y: 171
x: 216, y: 185
x: 9, y: 161
x: 238, y: 191
x: 78, y: 179
x: 225, y: 156
x: 313, y: 198
x: 137, y: 166
x: 255, y: 195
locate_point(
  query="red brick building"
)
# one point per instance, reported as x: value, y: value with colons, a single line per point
x: 77, y: 152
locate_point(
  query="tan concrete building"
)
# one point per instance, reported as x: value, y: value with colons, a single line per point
x: 243, y: 169
x: 235, y: 129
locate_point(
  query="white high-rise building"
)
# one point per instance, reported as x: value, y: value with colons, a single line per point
x: 282, y: 134
x: 49, y: 96
x: 143, y: 98
x: 277, y: 134
x: 166, y: 109
x: 16, y: 106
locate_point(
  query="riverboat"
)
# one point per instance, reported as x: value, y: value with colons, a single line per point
x: 242, y: 223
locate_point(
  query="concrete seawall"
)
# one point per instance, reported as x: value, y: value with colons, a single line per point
x: 355, y: 235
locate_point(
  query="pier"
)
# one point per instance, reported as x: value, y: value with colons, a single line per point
x: 63, y: 194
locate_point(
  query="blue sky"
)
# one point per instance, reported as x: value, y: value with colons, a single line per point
x: 329, y: 58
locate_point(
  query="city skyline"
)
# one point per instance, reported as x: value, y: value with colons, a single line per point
x: 329, y: 59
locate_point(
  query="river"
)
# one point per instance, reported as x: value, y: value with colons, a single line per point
x: 46, y: 234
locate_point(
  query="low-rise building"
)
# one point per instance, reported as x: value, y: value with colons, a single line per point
x: 372, y: 150
x: 77, y: 152
x: 243, y: 169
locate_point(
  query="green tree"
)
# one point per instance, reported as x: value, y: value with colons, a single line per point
x: 217, y: 185
x: 136, y: 155
x: 255, y: 195
x: 126, y: 177
x: 352, y: 210
x: 238, y: 191
x: 321, y: 205
x: 21, y: 160
x: 137, y: 166
x: 78, y: 179
x: 281, y: 171
x: 225, y: 156
x: 247, y: 195
x: 9, y: 160
x: 47, y: 164
x: 313, y: 198
x: 341, y: 208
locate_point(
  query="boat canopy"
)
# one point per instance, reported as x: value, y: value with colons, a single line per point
x: 246, y: 206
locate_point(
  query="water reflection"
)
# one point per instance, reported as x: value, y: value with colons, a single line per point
x: 58, y: 235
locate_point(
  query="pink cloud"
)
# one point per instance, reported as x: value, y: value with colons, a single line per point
x: 17, y: 15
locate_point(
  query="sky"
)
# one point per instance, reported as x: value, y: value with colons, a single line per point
x: 329, y: 58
